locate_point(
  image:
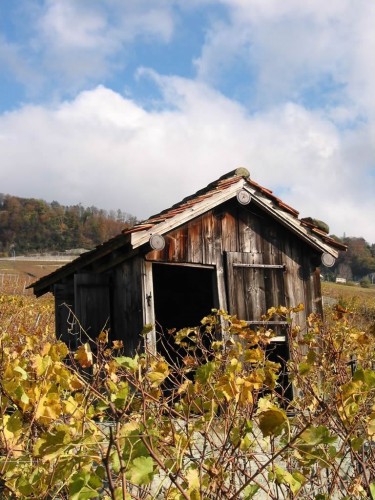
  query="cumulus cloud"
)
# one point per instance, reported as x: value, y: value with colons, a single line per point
x: 80, y: 40
x: 294, y: 49
x: 103, y: 149
x: 67, y: 44
x: 16, y: 66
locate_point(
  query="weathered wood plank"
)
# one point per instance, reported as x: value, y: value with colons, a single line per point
x: 64, y: 312
x: 194, y: 242
x: 229, y: 231
x: 128, y: 304
x: 92, y: 303
x: 148, y: 305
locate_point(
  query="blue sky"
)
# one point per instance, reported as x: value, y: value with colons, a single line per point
x: 134, y: 104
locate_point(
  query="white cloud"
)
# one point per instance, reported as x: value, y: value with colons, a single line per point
x: 294, y: 48
x: 103, y: 149
x: 79, y: 40
x: 15, y: 66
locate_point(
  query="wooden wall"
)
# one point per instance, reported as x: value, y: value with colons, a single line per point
x: 233, y: 229
x: 127, y: 303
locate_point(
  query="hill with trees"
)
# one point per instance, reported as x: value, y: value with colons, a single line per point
x: 29, y: 225
x: 357, y: 263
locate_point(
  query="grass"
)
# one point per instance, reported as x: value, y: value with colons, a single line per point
x: 360, y: 301
x: 339, y: 291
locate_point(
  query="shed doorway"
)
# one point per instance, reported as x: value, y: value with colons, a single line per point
x: 183, y: 295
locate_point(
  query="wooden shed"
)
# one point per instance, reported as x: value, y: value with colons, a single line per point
x: 232, y: 245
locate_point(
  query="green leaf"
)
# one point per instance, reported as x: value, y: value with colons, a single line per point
x: 129, y: 363
x: 372, y: 489
x: 21, y: 395
x: 356, y: 443
x: 52, y: 443
x: 115, y: 462
x: 120, y: 397
x: 119, y: 494
x: 304, y: 368
x: 141, y: 471
x: 284, y: 477
x: 250, y: 491
x: 246, y: 442
x: 317, y: 435
x: 22, y: 372
x: 80, y: 488
x: 13, y: 422
x: 147, y: 329
x: 272, y: 421
x: 134, y: 446
x: 311, y: 357
x: 85, y: 493
x: 205, y: 372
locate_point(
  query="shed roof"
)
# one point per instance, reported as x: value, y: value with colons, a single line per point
x: 213, y: 195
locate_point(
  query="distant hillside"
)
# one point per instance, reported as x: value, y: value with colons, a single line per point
x: 28, y: 225
x: 355, y: 264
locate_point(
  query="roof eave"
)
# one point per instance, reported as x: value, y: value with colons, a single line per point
x: 290, y: 222
x: 45, y: 284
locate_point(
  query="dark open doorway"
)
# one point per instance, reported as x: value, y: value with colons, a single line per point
x: 183, y: 295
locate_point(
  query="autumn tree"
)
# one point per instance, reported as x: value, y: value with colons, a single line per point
x: 30, y: 225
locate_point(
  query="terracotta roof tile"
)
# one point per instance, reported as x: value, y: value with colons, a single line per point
x: 205, y: 193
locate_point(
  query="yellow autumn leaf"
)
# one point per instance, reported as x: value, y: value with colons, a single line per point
x: 46, y: 348
x: 48, y: 408
x: 246, y: 391
x: 12, y: 429
x: 41, y: 364
x: 228, y: 387
x: 256, y: 378
x: 254, y: 355
x: 159, y: 372
x: 84, y: 355
x: 103, y: 337
x: 272, y: 421
x: 58, y: 351
x: 71, y: 407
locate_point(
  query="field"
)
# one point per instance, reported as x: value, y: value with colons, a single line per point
x: 346, y: 292
x: 359, y: 301
x: 16, y: 274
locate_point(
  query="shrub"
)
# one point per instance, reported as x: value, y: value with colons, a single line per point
x: 365, y: 283
x: 214, y: 424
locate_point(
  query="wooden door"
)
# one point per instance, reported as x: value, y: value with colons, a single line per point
x: 92, y: 303
x: 253, y: 286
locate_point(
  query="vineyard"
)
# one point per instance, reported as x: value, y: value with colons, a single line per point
x: 216, y: 424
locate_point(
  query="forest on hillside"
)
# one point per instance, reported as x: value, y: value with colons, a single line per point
x: 357, y: 263
x: 29, y: 225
